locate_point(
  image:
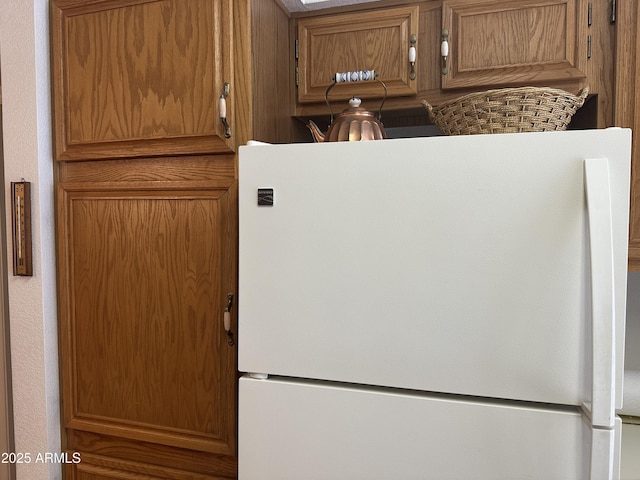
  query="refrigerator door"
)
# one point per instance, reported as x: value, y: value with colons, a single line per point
x: 304, y: 430
x: 451, y: 264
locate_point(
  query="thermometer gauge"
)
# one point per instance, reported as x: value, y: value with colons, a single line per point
x: 21, y: 219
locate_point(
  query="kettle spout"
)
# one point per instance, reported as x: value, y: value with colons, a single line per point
x: 317, y: 134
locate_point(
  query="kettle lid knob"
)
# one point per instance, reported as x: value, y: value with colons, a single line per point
x: 355, y: 102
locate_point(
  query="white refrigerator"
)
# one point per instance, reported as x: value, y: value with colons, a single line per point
x: 433, y: 308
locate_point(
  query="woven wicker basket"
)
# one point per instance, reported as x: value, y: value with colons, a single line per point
x: 507, y: 110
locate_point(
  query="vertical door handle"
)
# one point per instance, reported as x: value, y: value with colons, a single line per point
x: 603, y: 313
x: 226, y: 319
x: 223, y: 110
x: 444, y: 51
x: 412, y: 57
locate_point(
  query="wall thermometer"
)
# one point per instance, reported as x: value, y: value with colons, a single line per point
x: 21, y: 218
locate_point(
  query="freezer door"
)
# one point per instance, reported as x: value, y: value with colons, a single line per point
x: 451, y: 264
x: 304, y: 430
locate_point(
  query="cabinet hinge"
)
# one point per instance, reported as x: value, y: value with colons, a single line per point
x: 589, y: 15
x: 295, y: 54
x: 588, y: 46
x: 613, y: 11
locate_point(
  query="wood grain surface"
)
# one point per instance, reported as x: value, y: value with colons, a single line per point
x: 627, y: 109
x: 374, y: 40
x: 145, y: 275
x: 133, y: 78
x: 507, y: 42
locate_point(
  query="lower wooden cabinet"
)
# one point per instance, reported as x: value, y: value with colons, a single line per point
x: 147, y: 261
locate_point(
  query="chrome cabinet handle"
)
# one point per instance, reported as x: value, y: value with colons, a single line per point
x: 223, y: 110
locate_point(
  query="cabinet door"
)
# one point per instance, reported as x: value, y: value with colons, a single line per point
x: 372, y: 40
x: 510, y: 42
x: 627, y: 109
x: 140, y: 78
x: 148, y: 373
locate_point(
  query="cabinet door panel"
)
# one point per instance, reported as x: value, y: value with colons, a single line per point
x: 146, y: 271
x: 140, y: 79
x: 511, y: 42
x: 375, y: 40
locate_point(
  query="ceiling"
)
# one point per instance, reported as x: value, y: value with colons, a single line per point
x: 308, y: 5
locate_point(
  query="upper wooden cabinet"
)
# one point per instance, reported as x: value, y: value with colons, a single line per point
x: 564, y: 44
x: 372, y: 40
x: 141, y: 79
x: 510, y: 42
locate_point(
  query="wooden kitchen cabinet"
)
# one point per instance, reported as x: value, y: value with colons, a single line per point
x: 627, y: 108
x: 377, y: 40
x: 146, y: 261
x: 513, y: 42
x: 147, y: 234
x: 141, y: 78
x: 146, y: 213
x: 565, y: 44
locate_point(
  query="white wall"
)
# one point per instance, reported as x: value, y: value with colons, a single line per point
x: 632, y: 346
x: 24, y: 53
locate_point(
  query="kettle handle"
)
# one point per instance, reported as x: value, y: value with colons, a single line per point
x: 337, y: 80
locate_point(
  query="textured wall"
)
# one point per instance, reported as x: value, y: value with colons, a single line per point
x: 24, y: 53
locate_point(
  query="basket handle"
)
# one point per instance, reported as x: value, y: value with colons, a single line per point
x: 429, y: 108
x: 582, y: 96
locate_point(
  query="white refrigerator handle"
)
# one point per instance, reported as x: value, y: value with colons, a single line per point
x: 598, y: 196
x: 602, y: 454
